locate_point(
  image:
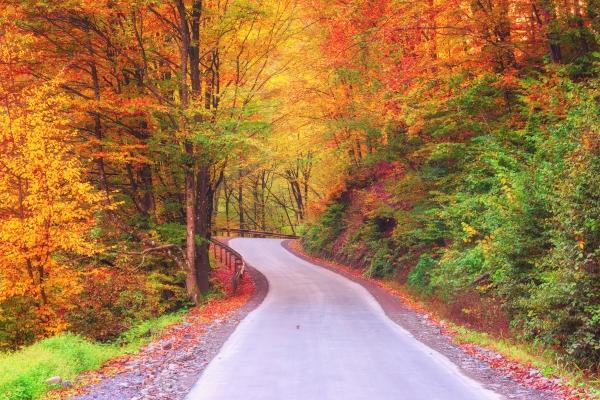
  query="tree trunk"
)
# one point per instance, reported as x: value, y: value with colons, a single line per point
x: 240, y: 199
x: 227, y: 193
x: 203, y: 186
x: 204, y: 211
x: 192, y: 283
x: 98, y: 135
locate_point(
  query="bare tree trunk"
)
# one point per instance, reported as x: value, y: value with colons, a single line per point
x: 191, y: 280
x: 241, y: 200
x: 204, y: 211
x: 204, y: 191
x: 227, y: 193
x: 192, y: 283
x: 98, y: 134
x: 216, y: 201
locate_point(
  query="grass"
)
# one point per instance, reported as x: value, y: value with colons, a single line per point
x: 23, y: 374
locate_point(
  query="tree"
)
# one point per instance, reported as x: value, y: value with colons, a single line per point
x: 47, y: 211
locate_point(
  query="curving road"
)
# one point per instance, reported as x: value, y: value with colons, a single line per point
x: 320, y: 336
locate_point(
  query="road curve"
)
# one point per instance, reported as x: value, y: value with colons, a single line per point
x: 320, y: 336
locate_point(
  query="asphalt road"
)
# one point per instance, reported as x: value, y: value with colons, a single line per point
x: 320, y: 336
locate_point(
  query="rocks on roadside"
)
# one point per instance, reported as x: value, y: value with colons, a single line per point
x: 55, y: 380
x: 185, y: 357
x: 172, y: 367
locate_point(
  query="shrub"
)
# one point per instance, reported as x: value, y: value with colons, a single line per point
x: 18, y: 322
x: 381, y: 264
x: 419, y: 276
x: 320, y: 237
x: 115, y: 299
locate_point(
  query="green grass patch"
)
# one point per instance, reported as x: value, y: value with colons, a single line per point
x: 23, y: 374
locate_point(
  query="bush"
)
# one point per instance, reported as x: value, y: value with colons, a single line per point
x: 320, y: 237
x: 18, y: 322
x: 114, y: 299
x: 381, y: 264
x: 419, y: 277
x: 564, y: 308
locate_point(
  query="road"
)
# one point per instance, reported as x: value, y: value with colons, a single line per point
x: 320, y: 336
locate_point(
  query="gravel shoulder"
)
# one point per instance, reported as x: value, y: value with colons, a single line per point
x: 167, y: 368
x: 422, y: 327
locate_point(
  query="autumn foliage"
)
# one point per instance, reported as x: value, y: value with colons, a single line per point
x: 120, y: 123
x: 47, y: 208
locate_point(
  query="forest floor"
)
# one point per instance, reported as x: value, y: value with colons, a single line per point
x: 167, y: 368
x: 511, y: 378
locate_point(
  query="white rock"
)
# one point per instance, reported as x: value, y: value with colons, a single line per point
x: 55, y: 380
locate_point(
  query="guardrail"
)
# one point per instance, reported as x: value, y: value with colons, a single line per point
x: 231, y: 258
x: 252, y: 233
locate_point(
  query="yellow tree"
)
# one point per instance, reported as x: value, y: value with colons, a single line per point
x: 46, y: 208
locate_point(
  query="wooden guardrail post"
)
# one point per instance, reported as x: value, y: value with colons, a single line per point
x: 231, y: 259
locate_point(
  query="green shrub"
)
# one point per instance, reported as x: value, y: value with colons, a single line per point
x: 419, y: 276
x: 18, y: 322
x: 320, y: 237
x: 381, y: 265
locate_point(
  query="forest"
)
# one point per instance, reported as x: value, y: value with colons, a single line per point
x: 450, y: 146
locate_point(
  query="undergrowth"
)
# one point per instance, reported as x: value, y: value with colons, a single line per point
x: 23, y: 373
x: 547, y: 361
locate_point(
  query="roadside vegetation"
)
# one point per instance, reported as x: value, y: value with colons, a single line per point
x: 499, y: 231
x: 512, y: 355
x: 24, y: 373
x: 545, y: 360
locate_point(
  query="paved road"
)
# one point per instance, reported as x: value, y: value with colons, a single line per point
x: 320, y: 336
